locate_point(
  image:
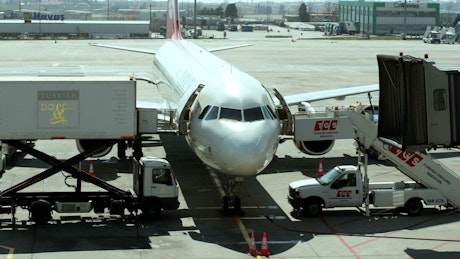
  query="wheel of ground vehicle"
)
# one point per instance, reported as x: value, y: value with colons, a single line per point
x: 40, y: 211
x: 151, y: 210
x: 311, y: 207
x: 414, y: 207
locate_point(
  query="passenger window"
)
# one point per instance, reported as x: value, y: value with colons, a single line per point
x: 213, y: 114
x: 161, y: 176
x: 230, y: 114
x: 439, y: 99
x: 203, y: 113
x: 253, y: 114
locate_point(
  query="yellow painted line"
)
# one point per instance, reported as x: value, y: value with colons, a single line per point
x: 10, y: 251
x: 216, y: 180
x: 237, y: 219
x: 243, y: 230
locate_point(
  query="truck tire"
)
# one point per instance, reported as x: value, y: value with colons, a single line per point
x: 151, y: 211
x: 311, y: 207
x: 40, y: 211
x: 117, y: 208
x: 414, y: 207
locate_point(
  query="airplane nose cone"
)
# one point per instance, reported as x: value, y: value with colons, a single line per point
x: 246, y: 154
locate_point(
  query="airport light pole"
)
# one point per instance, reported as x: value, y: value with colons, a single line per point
x: 40, y: 18
x: 405, y: 19
x: 194, y: 20
x: 150, y: 18
x: 268, y: 18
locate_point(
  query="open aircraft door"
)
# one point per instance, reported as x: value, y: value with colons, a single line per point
x: 284, y: 114
x: 184, y: 116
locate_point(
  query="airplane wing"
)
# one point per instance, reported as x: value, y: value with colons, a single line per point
x: 145, y: 51
x: 153, y: 52
x: 329, y: 94
x: 228, y: 47
x: 155, y: 105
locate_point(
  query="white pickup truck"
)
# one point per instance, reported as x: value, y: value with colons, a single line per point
x: 345, y: 186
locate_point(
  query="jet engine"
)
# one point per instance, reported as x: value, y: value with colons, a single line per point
x: 85, y: 144
x: 315, y: 148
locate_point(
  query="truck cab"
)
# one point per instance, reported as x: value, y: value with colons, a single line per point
x: 340, y: 187
x: 155, y: 185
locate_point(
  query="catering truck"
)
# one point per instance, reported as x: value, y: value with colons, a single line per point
x: 98, y: 113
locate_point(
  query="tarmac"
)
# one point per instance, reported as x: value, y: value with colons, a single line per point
x: 293, y: 62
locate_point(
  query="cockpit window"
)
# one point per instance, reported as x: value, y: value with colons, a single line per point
x: 268, y: 113
x: 230, y: 114
x: 253, y: 114
x: 203, y: 113
x: 213, y: 113
x: 249, y: 115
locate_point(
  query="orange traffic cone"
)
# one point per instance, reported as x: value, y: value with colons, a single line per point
x: 320, y: 169
x: 91, y: 169
x: 264, y: 248
x: 252, y: 246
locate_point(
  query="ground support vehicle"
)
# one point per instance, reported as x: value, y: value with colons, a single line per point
x: 104, y: 113
x: 434, y: 184
x: 347, y: 186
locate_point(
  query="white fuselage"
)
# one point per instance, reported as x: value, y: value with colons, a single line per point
x: 233, y: 124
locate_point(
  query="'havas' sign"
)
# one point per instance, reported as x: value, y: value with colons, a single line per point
x: 42, y: 16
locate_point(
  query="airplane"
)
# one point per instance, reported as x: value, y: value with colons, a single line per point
x: 229, y: 119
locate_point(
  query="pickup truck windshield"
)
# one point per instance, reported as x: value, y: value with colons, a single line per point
x: 329, y: 177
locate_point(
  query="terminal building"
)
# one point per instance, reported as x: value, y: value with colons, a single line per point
x: 73, y: 24
x: 384, y: 18
x: 14, y: 29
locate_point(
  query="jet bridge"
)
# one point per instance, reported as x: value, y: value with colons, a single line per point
x: 419, y: 103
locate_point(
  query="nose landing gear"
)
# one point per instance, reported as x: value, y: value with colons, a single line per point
x: 231, y: 203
